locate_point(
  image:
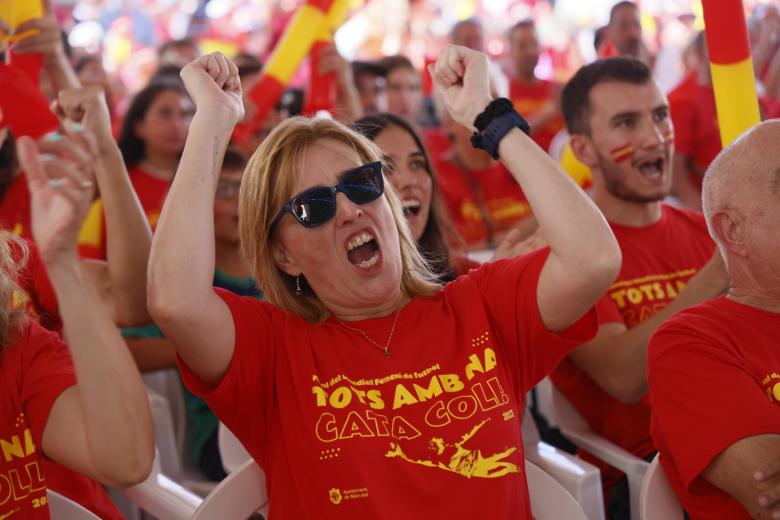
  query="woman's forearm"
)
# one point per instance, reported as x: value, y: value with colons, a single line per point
x: 112, y: 393
x: 129, y: 237
x: 571, y: 223
x: 181, y: 268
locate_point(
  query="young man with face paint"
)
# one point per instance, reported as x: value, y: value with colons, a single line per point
x: 620, y: 127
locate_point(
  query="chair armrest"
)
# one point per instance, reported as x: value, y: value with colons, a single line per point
x: 580, y: 478
x: 607, y: 451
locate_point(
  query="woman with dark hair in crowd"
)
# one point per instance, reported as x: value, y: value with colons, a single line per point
x: 151, y: 140
x: 409, y: 171
x: 363, y: 387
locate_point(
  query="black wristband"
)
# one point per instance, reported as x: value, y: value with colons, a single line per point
x: 498, y: 118
x: 495, y: 108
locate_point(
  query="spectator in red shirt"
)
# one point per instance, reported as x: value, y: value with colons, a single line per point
x: 341, y: 385
x: 97, y: 425
x: 481, y: 196
x: 714, y: 368
x: 403, y: 85
x: 620, y: 128
x: 151, y: 141
x: 696, y: 129
x: 537, y: 100
x: 624, y: 33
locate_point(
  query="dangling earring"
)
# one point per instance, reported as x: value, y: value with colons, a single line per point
x: 298, y: 290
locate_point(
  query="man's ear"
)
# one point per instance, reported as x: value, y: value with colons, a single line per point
x: 583, y: 150
x: 284, y: 261
x: 729, y: 228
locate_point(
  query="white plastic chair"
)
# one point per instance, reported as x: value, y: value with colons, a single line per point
x: 62, y: 508
x: 163, y: 498
x: 231, y: 451
x: 237, y: 497
x: 581, y: 479
x: 549, y: 500
x: 574, y: 427
x: 657, y: 501
x: 169, y: 419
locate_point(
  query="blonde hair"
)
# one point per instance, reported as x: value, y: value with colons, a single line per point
x: 268, y: 184
x: 13, y: 314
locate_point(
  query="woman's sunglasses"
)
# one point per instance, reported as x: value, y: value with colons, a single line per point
x: 316, y: 206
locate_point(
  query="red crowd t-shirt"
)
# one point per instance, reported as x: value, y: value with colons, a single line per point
x: 151, y: 193
x: 41, y: 301
x: 35, y: 370
x: 696, y: 130
x: 481, y: 203
x: 714, y: 376
x: 531, y: 98
x: 343, y: 432
x: 658, y: 260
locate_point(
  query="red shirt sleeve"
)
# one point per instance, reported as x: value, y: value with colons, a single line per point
x: 249, y: 378
x: 47, y: 371
x: 509, y: 291
x: 697, y: 392
x: 608, y: 311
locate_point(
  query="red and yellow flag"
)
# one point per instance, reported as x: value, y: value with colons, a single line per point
x: 732, y: 67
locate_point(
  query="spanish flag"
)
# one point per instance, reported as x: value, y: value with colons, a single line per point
x: 622, y: 153
x: 293, y: 46
x: 732, y: 67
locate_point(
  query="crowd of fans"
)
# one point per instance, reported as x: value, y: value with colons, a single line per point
x: 364, y: 256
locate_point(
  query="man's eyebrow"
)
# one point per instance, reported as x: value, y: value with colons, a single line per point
x: 624, y: 115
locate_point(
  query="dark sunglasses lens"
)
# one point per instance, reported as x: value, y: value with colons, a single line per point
x: 363, y: 185
x: 314, y: 207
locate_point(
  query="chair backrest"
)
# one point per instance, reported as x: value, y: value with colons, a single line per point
x: 164, y: 435
x: 549, y: 500
x: 657, y: 501
x: 168, y: 384
x: 62, y: 508
x: 237, y: 497
x: 564, y: 413
x: 530, y: 430
x: 232, y: 452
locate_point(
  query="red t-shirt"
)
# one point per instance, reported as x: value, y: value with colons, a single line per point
x: 481, y: 203
x: 436, y: 141
x: 15, y: 207
x: 658, y: 260
x: 151, y: 193
x: 529, y: 99
x: 714, y: 375
x: 42, y: 303
x: 35, y: 370
x: 696, y: 130
x: 432, y: 431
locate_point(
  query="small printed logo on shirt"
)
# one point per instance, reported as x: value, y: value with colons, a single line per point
x: 771, y: 384
x: 338, y: 495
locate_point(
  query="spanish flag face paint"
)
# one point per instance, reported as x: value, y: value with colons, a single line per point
x: 622, y: 153
x: 669, y: 137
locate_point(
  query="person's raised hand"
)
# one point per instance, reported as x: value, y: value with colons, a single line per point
x: 86, y: 106
x: 60, y: 196
x: 46, y: 36
x: 462, y: 79
x: 331, y: 61
x: 213, y: 83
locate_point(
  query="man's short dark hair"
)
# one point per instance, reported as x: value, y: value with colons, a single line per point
x: 171, y: 44
x: 391, y: 63
x: 575, y: 97
x: 528, y: 23
x: 618, y: 6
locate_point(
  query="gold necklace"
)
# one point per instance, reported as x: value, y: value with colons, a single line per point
x: 384, y: 349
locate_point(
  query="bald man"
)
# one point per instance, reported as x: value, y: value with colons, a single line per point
x: 714, y: 368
